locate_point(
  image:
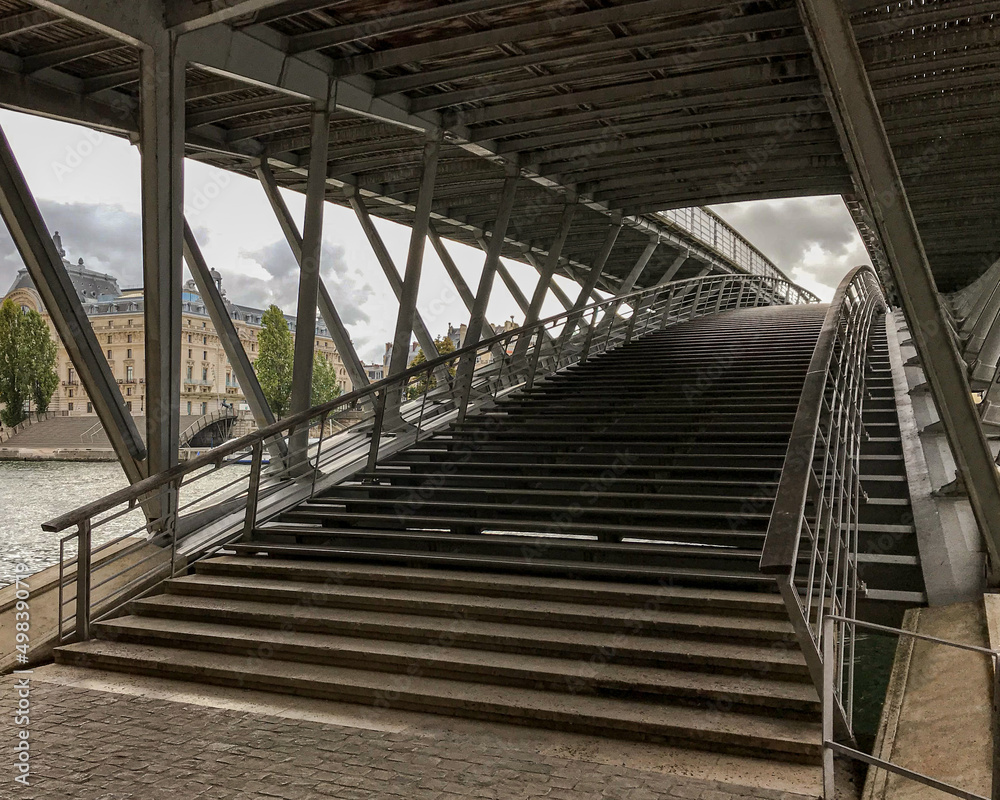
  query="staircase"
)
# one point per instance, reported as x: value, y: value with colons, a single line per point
x: 582, y: 555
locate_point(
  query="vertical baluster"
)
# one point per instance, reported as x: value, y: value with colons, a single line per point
x: 83, y: 581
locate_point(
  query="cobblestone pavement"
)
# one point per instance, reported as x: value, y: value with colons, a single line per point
x: 96, y: 745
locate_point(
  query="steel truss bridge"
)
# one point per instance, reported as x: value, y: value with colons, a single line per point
x: 574, y: 135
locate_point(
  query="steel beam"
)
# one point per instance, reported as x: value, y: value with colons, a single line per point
x: 399, y: 359
x: 668, y: 274
x: 309, y: 271
x: 386, y: 23
x: 494, y: 36
x: 420, y: 330
x: 338, y: 331
x: 549, y: 266
x: 477, y: 317
x: 189, y: 15
x: 640, y: 265
x: 161, y: 148
x: 223, y: 324
x: 590, y: 282
x: 468, y: 298
x: 45, y: 266
x: 866, y: 146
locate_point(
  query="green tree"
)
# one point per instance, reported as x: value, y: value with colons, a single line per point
x: 13, y: 388
x: 27, y: 362
x: 422, y: 383
x: 325, y: 385
x: 275, y: 355
x: 40, y: 360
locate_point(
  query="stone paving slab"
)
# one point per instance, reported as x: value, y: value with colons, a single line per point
x: 87, y: 744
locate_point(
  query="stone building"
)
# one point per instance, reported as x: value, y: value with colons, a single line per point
x: 208, y: 382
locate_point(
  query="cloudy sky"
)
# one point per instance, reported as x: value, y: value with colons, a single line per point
x: 87, y: 186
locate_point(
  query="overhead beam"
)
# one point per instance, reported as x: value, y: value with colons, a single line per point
x: 866, y: 146
x: 188, y: 15
x: 384, y: 24
x: 45, y: 266
x: 442, y: 47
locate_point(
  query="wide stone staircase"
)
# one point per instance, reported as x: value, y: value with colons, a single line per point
x: 582, y: 555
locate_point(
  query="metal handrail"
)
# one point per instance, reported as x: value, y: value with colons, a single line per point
x: 195, y: 502
x: 830, y: 744
x: 795, y: 295
x: 812, y: 536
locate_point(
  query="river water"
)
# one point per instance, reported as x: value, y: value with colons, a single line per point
x: 32, y: 492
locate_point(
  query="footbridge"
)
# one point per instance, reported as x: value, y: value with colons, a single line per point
x: 696, y: 474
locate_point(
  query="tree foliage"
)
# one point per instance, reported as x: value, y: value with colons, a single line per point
x: 325, y: 384
x: 275, y: 355
x: 27, y: 362
x: 422, y: 383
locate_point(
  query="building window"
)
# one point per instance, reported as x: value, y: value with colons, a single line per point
x: 109, y: 338
x: 189, y: 408
x: 128, y: 392
x: 111, y: 324
x: 70, y: 392
x: 129, y: 338
x: 189, y: 335
x: 204, y: 408
x: 204, y: 340
x: 128, y: 353
x: 204, y: 324
x: 70, y: 406
x: 128, y: 404
x: 90, y: 408
x: 129, y: 373
x: 109, y: 355
x: 204, y: 374
x: 72, y: 376
x: 189, y: 377
x: 229, y: 379
x: 130, y: 325
x: 204, y: 355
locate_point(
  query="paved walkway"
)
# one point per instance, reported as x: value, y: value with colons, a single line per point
x: 131, y: 742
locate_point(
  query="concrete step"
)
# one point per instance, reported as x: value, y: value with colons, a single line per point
x: 750, y: 692
x: 545, y: 613
x: 487, y: 584
x: 678, y: 652
x: 715, y: 729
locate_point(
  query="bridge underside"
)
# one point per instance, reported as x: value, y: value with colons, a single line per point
x: 566, y: 133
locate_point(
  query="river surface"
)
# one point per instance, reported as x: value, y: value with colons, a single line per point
x: 32, y: 492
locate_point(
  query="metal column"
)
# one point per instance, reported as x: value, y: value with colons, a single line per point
x: 866, y: 148
x: 161, y: 147
x: 592, y: 278
x: 309, y: 267
x: 37, y: 250
x: 338, y: 331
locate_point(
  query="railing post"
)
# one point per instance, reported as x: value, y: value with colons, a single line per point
x: 319, y: 451
x: 697, y: 299
x: 82, y: 582
x: 589, y: 338
x: 829, y: 676
x: 995, y: 792
x: 376, y: 432
x: 722, y: 291
x: 253, y: 490
x: 535, y: 355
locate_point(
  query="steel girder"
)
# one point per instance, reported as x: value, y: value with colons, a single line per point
x: 45, y: 266
x: 866, y: 146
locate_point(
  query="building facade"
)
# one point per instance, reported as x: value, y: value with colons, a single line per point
x: 208, y: 383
